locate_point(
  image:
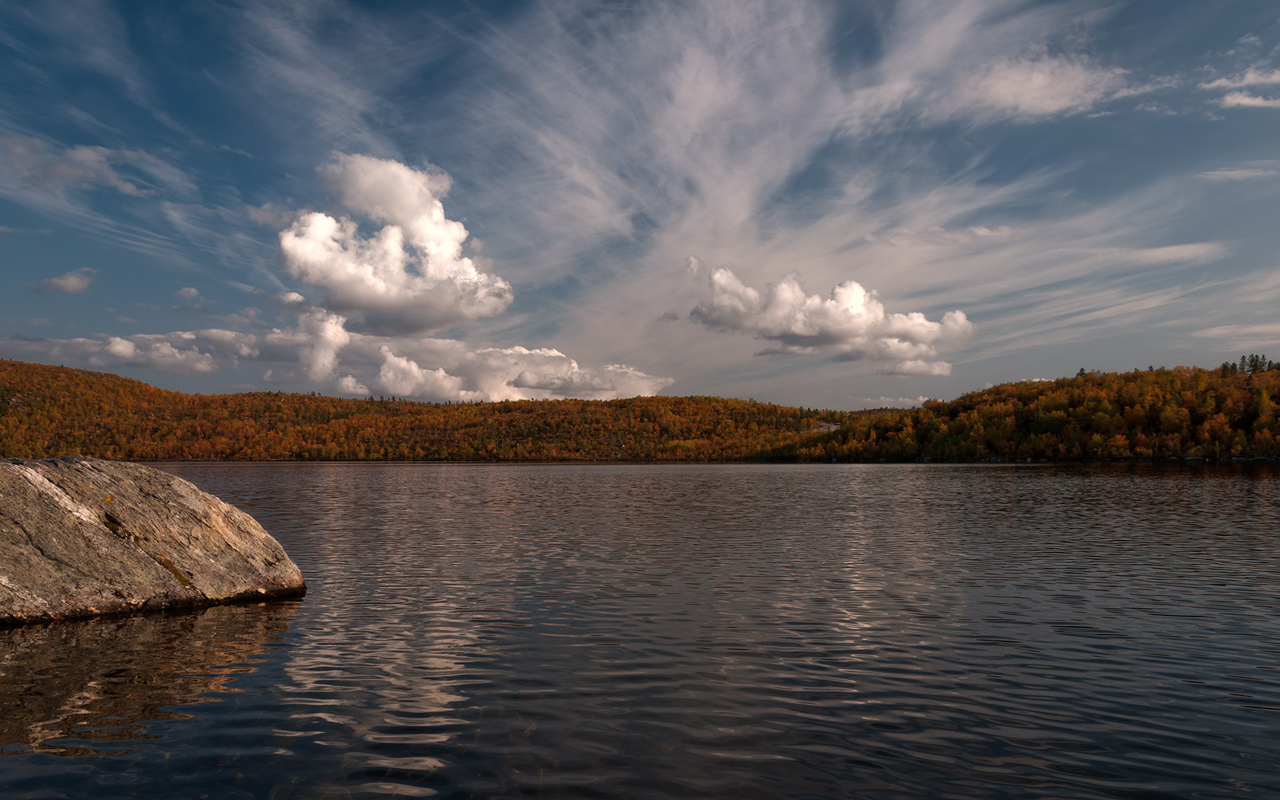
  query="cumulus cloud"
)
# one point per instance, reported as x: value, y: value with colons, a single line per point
x: 320, y: 348
x: 410, y: 276
x: 917, y: 368
x: 162, y: 356
x: 378, y: 294
x: 74, y: 282
x: 509, y: 373
x: 850, y: 324
x: 316, y: 342
x: 403, y: 376
x: 176, y: 353
x: 426, y: 368
x: 566, y: 379
x: 891, y: 402
x: 349, y: 385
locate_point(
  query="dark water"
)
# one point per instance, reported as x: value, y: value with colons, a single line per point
x: 673, y: 632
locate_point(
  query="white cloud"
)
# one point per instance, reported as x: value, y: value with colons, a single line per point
x: 850, y: 324
x: 161, y: 356
x: 409, y: 277
x: 187, y: 293
x: 509, y: 373
x: 1241, y: 174
x: 1035, y: 88
x: 1251, y: 77
x: 1246, y: 335
x: 74, y: 282
x: 1196, y: 253
x: 271, y: 215
x: 613, y: 144
x: 36, y: 164
x: 77, y: 168
x: 562, y: 377
x: 320, y: 348
x: 917, y: 368
x: 349, y: 385
x: 402, y: 376
x: 728, y: 130
x: 891, y: 402
x: 315, y: 343
x: 1247, y: 100
x: 177, y: 353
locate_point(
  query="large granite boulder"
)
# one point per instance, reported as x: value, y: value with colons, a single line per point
x: 81, y: 537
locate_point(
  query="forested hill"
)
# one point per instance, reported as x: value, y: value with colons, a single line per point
x: 49, y: 411
x: 1184, y: 412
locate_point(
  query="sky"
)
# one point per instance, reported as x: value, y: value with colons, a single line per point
x: 825, y: 204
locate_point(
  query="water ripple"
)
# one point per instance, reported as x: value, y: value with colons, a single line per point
x: 671, y: 632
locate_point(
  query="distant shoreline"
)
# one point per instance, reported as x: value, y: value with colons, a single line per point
x: 1186, y: 414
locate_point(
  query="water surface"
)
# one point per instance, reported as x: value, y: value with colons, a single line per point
x: 802, y: 631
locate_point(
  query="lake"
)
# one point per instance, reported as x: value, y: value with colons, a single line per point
x: 740, y: 631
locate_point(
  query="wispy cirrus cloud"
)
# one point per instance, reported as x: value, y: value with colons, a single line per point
x: 1250, y: 337
x: 36, y: 164
x: 1254, y: 76
x: 1230, y: 174
x: 1248, y: 100
x: 1033, y: 88
x: 83, y: 186
x: 747, y: 145
x: 924, y: 158
x: 78, y: 38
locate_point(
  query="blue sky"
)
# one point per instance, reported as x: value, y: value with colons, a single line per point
x: 835, y: 205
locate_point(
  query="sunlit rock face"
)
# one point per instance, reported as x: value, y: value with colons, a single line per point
x: 81, y: 537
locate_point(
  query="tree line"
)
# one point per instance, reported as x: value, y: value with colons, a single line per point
x: 1157, y: 413
x: 48, y: 411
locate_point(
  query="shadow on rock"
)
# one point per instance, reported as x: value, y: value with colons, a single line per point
x: 65, y: 686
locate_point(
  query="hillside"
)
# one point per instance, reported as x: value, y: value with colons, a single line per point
x: 1186, y: 412
x: 48, y: 411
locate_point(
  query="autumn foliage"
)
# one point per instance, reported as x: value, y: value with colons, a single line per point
x: 1184, y: 412
x: 48, y: 411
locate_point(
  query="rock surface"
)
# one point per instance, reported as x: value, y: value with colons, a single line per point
x: 81, y: 537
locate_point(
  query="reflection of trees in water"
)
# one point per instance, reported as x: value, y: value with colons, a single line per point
x: 105, y: 679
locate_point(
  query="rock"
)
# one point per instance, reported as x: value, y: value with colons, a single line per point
x: 81, y: 537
